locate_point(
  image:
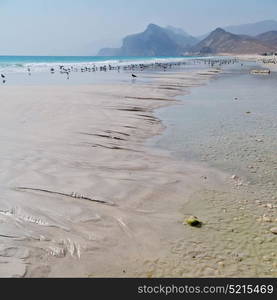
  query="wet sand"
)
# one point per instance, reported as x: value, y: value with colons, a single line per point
x: 68, y: 146
x: 62, y: 148
x: 268, y: 62
x: 228, y: 124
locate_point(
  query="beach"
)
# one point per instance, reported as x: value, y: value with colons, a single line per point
x: 230, y: 124
x: 84, y: 193
x: 268, y: 61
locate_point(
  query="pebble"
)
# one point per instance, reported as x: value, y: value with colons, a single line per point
x: 267, y: 258
x: 266, y: 219
x: 274, y: 230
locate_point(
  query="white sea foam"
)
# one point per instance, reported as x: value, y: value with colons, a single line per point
x: 11, y: 67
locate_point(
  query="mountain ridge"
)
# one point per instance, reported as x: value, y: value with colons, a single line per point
x: 269, y: 38
x: 171, y: 41
x: 251, y: 29
x: 221, y: 41
x: 153, y: 41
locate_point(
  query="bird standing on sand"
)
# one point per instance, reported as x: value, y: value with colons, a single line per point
x: 4, y: 78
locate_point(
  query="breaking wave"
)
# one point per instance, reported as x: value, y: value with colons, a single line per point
x: 20, y: 64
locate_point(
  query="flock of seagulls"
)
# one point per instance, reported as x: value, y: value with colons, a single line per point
x: 132, y: 68
x: 52, y: 71
x: 3, y: 78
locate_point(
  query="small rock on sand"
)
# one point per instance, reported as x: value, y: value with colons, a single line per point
x: 274, y: 230
x: 267, y: 219
x: 221, y: 264
x: 264, y: 218
x: 193, y: 221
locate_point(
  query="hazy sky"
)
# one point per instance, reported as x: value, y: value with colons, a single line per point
x: 81, y: 27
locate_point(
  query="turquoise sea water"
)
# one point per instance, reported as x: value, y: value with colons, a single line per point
x: 230, y: 123
x: 43, y: 63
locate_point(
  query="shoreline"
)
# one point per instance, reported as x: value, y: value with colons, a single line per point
x: 238, y: 215
x: 98, y: 149
x: 260, y: 60
x: 41, y: 158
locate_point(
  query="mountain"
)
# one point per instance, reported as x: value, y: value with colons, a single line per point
x: 180, y: 33
x: 253, y: 29
x: 221, y: 41
x: 154, y: 41
x: 109, y: 52
x: 177, y: 30
x: 269, y: 38
x: 171, y: 41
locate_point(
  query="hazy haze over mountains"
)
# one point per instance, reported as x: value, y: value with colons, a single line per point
x: 270, y: 38
x: 154, y: 41
x: 252, y: 38
x: 253, y: 29
x: 221, y: 41
x: 70, y: 27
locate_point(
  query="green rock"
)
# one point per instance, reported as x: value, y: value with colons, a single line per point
x: 193, y: 221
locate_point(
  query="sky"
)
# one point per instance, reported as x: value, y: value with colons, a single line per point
x: 82, y: 27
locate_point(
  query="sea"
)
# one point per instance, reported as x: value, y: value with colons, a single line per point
x: 17, y: 69
x: 19, y: 64
x: 229, y: 123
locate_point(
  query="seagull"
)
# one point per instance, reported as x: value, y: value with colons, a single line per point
x: 4, y: 78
